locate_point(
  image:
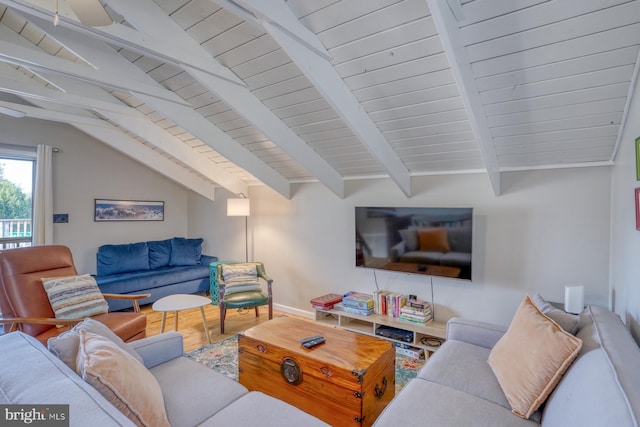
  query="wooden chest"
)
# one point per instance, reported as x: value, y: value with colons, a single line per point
x: 346, y: 381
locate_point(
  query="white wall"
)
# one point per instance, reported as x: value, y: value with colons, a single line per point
x: 549, y: 229
x: 86, y: 169
x: 625, y: 239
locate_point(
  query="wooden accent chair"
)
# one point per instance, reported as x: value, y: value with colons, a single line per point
x: 25, y: 305
x: 238, y: 287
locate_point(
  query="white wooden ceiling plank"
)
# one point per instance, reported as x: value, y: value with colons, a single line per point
x: 312, y: 117
x: 261, y: 63
x: 564, y: 135
x: 616, y: 38
x: 302, y: 108
x: 190, y: 91
x: 390, y: 57
x: 369, y: 23
x: 212, y: 109
x: 232, y: 124
x: 540, y: 17
x: 348, y: 151
x: 482, y: 10
x: 342, y: 12
x: 454, y: 46
x: 327, y: 135
x: 337, y: 143
x: 212, y: 25
x: 442, y: 156
x: 398, y: 35
x: 556, y: 113
x: 223, y: 116
x: 417, y: 109
x: 405, y: 85
x: 434, y: 129
x: 580, y: 26
x: 558, y: 125
x: 295, y: 84
x: 425, y: 120
x: 556, y: 100
x: 165, y: 72
x: 232, y: 38
x: 605, y: 77
x: 408, y: 69
x: 293, y: 98
x: 275, y: 75
x: 576, y: 144
x: 193, y: 12
x: 446, y: 138
x: 437, y: 167
x: 252, y: 49
x: 557, y: 157
x: 302, y: 8
x: 178, y: 81
x: 322, y: 126
x: 439, y: 93
x: 438, y: 148
x: 585, y: 64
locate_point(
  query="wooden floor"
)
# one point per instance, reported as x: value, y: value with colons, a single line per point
x: 191, y: 328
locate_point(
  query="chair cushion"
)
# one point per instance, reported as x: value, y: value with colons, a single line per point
x: 121, y: 379
x: 243, y: 287
x: 245, y: 299
x: 113, y: 259
x: 531, y: 357
x: 185, y: 251
x: 74, y: 297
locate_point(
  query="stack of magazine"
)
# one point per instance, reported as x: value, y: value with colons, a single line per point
x: 416, y: 311
x: 356, y: 303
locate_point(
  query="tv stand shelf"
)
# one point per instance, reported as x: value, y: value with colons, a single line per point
x: 367, y: 325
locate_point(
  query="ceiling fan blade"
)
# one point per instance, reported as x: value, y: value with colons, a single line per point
x: 90, y: 12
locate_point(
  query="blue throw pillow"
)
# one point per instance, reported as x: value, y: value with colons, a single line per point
x: 113, y: 259
x: 185, y: 251
x: 159, y: 253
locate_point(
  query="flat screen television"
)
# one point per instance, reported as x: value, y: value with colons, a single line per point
x: 430, y: 241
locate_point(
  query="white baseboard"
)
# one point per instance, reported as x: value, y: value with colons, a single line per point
x: 295, y: 311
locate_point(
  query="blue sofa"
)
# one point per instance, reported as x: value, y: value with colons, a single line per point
x: 159, y: 268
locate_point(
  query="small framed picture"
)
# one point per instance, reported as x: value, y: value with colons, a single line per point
x: 638, y: 159
x: 128, y: 210
x: 637, y: 208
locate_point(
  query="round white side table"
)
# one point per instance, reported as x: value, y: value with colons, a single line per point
x: 179, y: 302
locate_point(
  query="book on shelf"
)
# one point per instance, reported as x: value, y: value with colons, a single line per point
x: 417, y: 321
x: 419, y: 311
x: 358, y: 300
x: 325, y: 302
x: 341, y: 307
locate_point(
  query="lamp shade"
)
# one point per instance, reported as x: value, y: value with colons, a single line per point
x: 238, y: 207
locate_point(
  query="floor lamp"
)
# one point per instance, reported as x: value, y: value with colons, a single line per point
x: 241, y: 206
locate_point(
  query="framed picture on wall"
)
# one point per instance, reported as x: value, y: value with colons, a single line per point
x: 128, y: 210
x: 637, y: 208
x: 638, y: 158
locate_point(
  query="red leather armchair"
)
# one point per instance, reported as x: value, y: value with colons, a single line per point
x: 25, y: 304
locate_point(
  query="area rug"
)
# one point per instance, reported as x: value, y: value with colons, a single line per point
x: 222, y: 356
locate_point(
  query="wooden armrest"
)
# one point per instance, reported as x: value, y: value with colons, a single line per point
x: 135, y: 298
x: 15, y: 321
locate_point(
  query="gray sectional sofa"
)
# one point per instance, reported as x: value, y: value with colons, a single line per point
x: 158, y: 268
x: 457, y: 387
x: 193, y: 394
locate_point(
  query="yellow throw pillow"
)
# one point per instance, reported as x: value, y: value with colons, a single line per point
x: 531, y: 357
x: 121, y: 379
x: 434, y: 240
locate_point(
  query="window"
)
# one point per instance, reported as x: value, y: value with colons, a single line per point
x: 16, y: 204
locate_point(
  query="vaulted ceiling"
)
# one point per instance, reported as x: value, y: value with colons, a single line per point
x: 233, y: 93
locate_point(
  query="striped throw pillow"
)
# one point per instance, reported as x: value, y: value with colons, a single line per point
x: 75, y: 297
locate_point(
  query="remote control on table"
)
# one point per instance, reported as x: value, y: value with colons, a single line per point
x: 313, y: 343
x: 307, y: 339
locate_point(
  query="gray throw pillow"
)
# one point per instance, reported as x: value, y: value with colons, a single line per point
x: 567, y: 321
x: 410, y: 239
x: 65, y: 346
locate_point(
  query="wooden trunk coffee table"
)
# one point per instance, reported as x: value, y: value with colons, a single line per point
x: 346, y: 381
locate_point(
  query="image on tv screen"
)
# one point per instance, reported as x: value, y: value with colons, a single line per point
x: 430, y: 241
